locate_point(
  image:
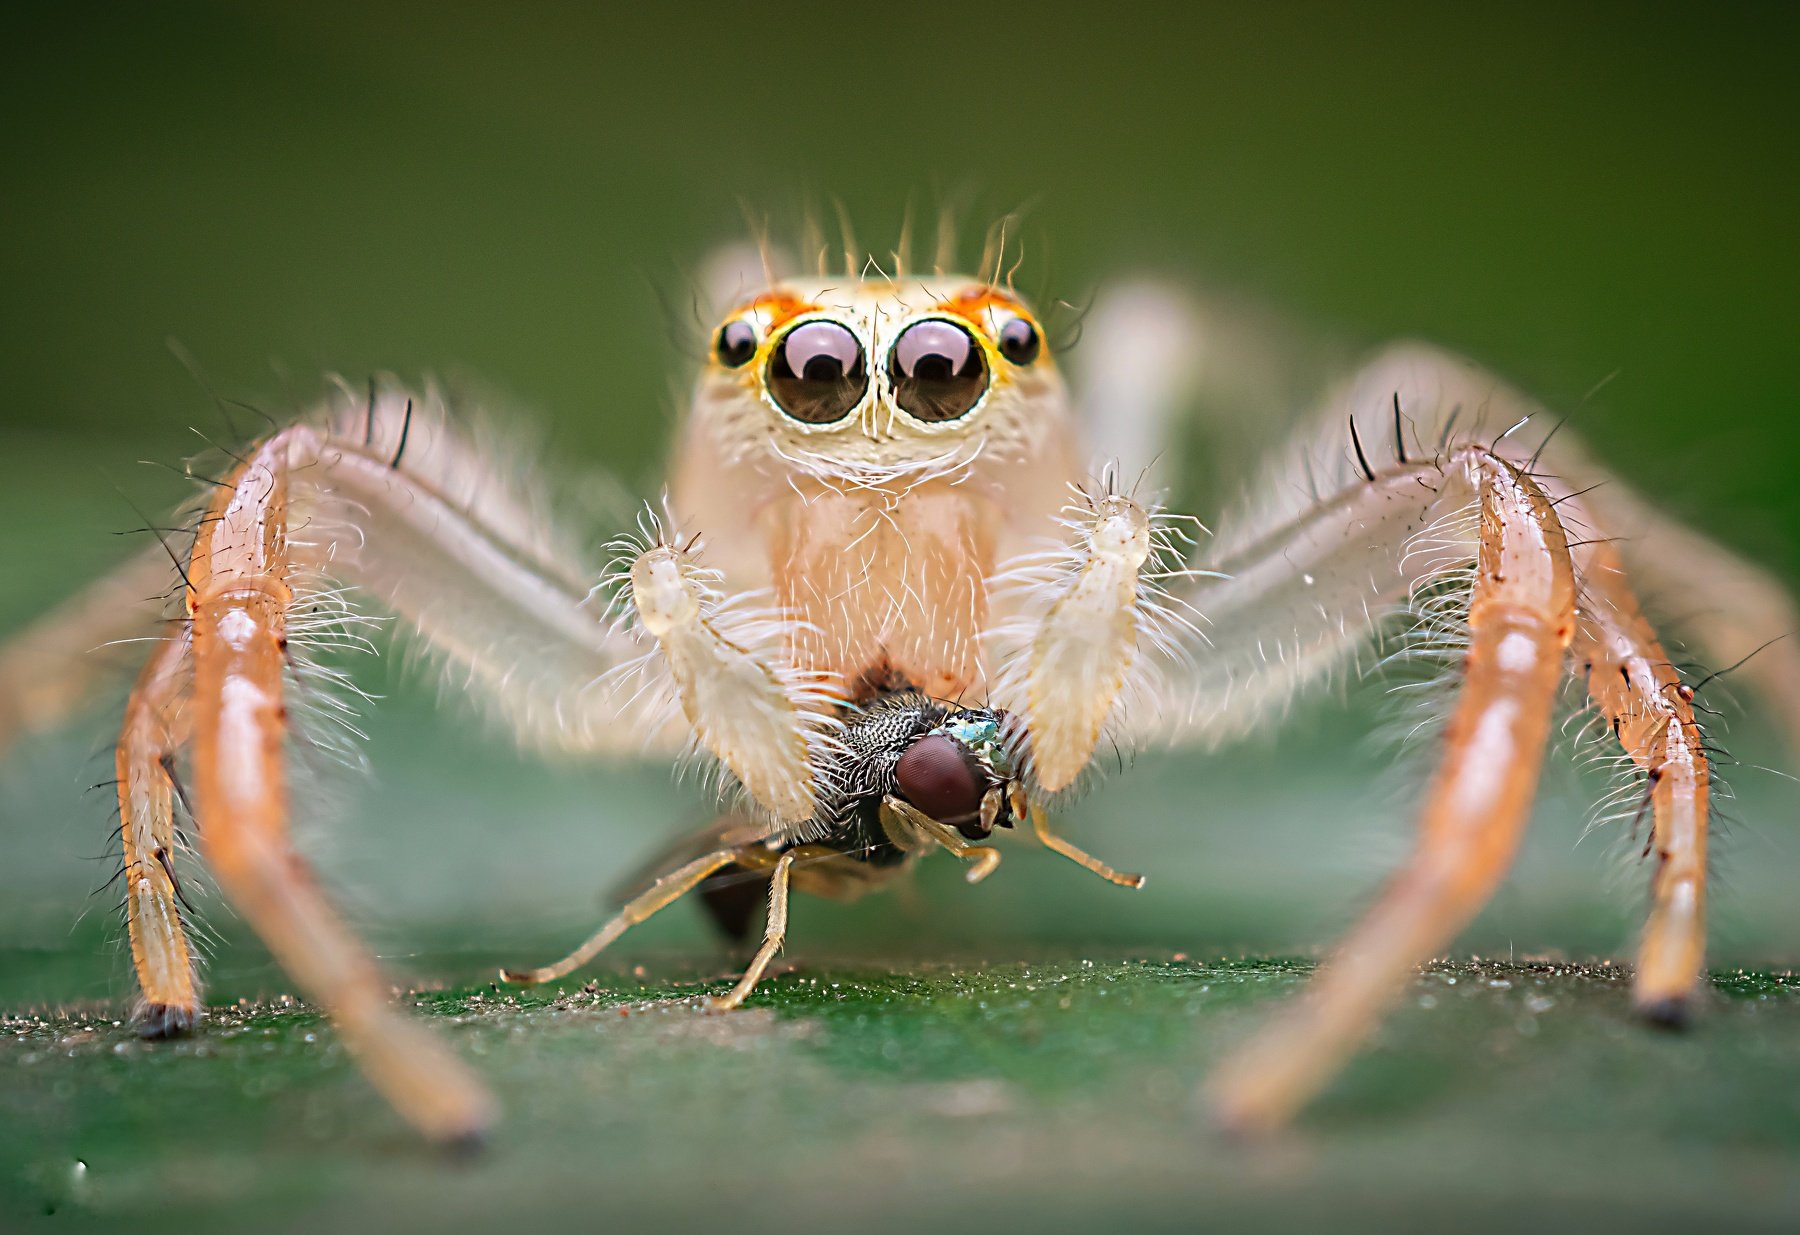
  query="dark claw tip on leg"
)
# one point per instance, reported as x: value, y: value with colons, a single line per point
x: 1671, y: 1013
x: 465, y: 1146
x: 165, y: 1020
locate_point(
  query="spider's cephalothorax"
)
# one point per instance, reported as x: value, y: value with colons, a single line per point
x: 882, y: 496
x: 871, y: 450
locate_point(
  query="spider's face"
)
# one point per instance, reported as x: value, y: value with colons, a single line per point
x: 880, y: 376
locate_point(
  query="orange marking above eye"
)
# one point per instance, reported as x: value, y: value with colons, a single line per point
x: 976, y: 307
x: 780, y: 308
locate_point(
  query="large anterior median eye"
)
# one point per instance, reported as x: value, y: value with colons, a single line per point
x: 817, y: 373
x: 937, y: 370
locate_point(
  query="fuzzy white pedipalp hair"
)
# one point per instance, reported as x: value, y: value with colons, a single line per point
x: 758, y: 729
x: 1163, y: 627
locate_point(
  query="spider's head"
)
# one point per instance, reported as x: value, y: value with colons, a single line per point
x: 880, y: 377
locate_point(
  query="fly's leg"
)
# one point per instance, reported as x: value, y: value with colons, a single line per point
x: 773, y: 937
x: 155, y: 728
x: 916, y: 832
x: 1520, y: 622
x: 659, y: 896
x: 1040, y: 825
x: 1651, y: 714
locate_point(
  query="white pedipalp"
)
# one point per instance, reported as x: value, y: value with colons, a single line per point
x: 723, y: 663
x: 1082, y: 614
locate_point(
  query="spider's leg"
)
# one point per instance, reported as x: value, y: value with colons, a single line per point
x: 155, y: 727
x: 773, y: 937
x: 1067, y: 653
x: 1732, y: 611
x: 52, y: 667
x: 397, y: 503
x: 240, y: 600
x: 1728, y: 608
x: 1521, y: 618
x: 1136, y: 372
x: 1651, y: 714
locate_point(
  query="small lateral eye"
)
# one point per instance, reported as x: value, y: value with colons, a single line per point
x: 1020, y: 341
x: 936, y: 775
x: 735, y: 345
x: 938, y: 371
x: 817, y: 373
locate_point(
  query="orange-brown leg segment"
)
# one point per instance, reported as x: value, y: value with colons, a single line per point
x: 154, y: 728
x: 1521, y: 619
x: 1732, y: 612
x: 51, y: 668
x: 238, y: 576
x: 1651, y: 713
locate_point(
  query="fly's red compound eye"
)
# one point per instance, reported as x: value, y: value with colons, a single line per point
x: 937, y: 370
x: 817, y: 374
x: 936, y: 775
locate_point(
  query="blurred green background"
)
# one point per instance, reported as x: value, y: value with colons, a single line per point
x: 518, y: 194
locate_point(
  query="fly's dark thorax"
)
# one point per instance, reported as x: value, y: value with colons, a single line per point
x: 875, y: 735
x: 961, y: 767
x: 957, y: 755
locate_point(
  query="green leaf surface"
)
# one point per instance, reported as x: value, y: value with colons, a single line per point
x: 1058, y: 1094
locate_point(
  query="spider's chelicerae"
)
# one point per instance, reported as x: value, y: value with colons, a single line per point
x: 886, y: 597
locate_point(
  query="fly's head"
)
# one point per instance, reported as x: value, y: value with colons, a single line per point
x: 881, y: 382
x: 963, y: 773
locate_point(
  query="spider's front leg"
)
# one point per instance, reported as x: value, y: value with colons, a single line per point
x: 240, y: 598
x: 1085, y: 640
x: 409, y: 512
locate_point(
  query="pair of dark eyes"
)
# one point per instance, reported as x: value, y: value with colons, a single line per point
x: 817, y: 373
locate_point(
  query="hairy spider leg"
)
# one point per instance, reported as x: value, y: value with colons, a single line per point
x: 1521, y: 619
x: 1430, y: 396
x: 465, y: 576
x: 238, y: 575
x: 1651, y: 714
x: 1747, y: 618
x: 157, y: 720
x: 55, y: 665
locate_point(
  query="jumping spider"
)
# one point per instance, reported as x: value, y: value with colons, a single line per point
x: 884, y: 599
